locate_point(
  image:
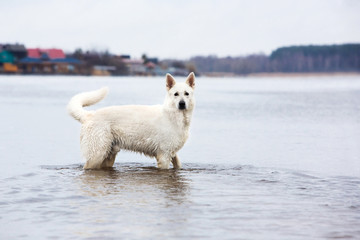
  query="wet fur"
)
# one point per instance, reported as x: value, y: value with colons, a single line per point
x: 158, y: 131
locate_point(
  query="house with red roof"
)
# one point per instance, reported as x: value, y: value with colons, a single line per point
x: 52, y: 53
x: 51, y: 60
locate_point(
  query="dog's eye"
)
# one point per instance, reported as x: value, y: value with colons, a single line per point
x: 186, y: 94
x: 176, y: 94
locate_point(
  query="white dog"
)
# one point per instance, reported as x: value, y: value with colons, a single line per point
x: 158, y: 131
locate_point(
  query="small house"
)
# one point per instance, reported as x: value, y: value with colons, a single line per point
x: 9, y: 56
x: 52, y: 60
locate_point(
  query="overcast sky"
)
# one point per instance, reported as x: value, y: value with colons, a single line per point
x: 179, y: 28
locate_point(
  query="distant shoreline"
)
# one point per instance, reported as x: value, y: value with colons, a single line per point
x: 282, y: 74
x: 217, y: 75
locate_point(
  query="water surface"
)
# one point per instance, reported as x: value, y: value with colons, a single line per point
x: 268, y: 158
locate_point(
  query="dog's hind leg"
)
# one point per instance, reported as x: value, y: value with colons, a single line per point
x: 94, y: 161
x: 109, y: 161
x: 176, y: 162
x: 163, y: 161
x: 95, y: 145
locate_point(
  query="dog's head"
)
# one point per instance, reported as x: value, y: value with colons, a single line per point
x: 180, y: 95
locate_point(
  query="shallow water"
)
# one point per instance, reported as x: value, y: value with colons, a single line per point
x: 267, y: 158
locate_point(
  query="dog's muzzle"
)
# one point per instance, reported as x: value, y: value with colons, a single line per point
x: 182, y: 105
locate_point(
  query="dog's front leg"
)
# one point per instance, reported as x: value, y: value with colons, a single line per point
x: 163, y: 161
x: 176, y: 162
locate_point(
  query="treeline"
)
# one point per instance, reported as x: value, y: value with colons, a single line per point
x: 93, y: 58
x: 104, y: 62
x: 330, y: 58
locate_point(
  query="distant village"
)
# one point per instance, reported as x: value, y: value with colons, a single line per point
x: 17, y: 59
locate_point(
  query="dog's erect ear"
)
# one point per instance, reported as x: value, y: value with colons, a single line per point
x: 170, y: 81
x: 191, y: 80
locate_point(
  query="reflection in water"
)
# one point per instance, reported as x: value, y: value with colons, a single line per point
x: 169, y: 184
x: 130, y: 190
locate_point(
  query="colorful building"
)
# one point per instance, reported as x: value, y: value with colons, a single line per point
x: 15, y: 58
x: 48, y: 61
x: 9, y: 56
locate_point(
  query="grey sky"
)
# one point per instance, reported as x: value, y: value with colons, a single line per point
x: 179, y: 28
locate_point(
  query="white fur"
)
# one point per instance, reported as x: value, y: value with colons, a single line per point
x: 158, y: 131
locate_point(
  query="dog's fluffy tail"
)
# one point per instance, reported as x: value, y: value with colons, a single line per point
x: 76, y: 104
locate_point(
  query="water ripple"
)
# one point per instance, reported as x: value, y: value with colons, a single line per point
x: 217, y: 199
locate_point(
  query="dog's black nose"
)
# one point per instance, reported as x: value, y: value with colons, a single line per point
x: 182, y: 104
